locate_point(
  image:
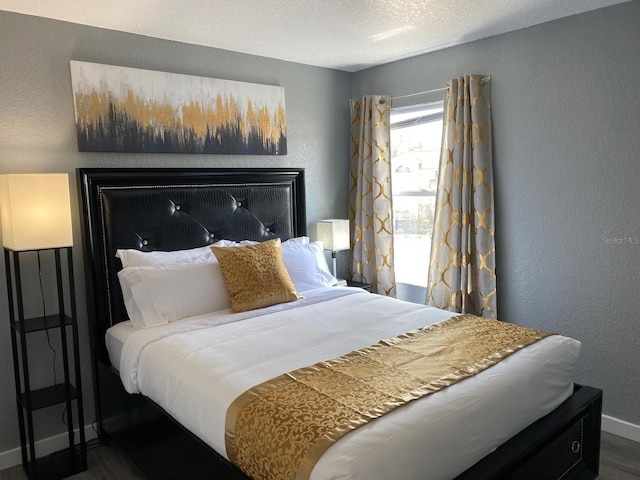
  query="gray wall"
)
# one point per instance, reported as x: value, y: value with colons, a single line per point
x: 37, y: 134
x: 567, y: 170
x: 566, y: 146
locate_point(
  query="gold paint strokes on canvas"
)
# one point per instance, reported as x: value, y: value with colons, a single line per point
x: 122, y: 109
x: 217, y: 127
x: 280, y: 428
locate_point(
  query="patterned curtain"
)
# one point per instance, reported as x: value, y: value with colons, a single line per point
x: 370, y: 210
x: 462, y: 271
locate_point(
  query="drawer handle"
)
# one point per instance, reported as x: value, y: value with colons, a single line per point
x: 575, y: 446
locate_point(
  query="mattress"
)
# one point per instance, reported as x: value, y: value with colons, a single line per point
x: 194, y: 368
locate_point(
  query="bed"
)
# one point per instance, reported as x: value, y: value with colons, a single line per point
x: 539, y: 432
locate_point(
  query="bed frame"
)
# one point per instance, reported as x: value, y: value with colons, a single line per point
x: 171, y: 209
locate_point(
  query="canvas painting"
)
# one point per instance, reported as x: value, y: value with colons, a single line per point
x: 121, y: 109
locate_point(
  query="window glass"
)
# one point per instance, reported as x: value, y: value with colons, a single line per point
x: 416, y: 135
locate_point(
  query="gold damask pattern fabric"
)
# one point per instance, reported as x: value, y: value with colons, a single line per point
x: 255, y: 275
x: 280, y: 428
x: 462, y: 269
x: 370, y: 208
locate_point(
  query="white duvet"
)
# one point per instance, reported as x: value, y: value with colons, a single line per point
x: 194, y: 369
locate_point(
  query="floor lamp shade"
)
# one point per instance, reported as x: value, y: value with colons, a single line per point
x: 36, y: 211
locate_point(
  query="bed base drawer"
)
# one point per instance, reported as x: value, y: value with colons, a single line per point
x: 565, y: 445
x: 558, y: 459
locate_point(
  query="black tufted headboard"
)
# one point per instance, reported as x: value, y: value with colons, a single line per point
x: 173, y: 209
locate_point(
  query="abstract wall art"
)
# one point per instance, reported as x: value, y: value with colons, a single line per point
x: 121, y: 109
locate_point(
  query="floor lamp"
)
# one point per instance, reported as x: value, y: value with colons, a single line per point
x: 36, y: 217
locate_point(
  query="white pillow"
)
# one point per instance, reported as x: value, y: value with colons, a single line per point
x: 136, y: 258
x: 300, y: 240
x: 228, y: 243
x: 307, y: 265
x: 157, y: 294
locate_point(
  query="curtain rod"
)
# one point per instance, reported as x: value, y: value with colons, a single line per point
x: 419, y: 93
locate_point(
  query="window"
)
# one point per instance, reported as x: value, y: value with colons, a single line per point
x: 416, y: 136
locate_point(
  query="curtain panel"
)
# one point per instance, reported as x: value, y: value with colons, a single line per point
x: 370, y: 208
x: 462, y: 271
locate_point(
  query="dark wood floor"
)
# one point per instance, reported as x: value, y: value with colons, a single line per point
x: 619, y: 460
x: 105, y: 463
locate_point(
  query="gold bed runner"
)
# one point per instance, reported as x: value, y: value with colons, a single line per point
x: 280, y: 428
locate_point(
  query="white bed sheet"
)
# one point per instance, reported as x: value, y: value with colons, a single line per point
x: 196, y: 367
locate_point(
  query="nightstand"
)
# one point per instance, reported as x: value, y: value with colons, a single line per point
x: 364, y: 286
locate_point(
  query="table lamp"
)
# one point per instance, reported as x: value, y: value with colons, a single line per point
x: 334, y: 234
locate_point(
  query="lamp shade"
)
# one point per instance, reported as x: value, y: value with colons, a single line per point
x: 334, y: 234
x: 36, y: 211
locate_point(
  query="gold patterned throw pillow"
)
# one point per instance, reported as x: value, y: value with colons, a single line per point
x: 255, y: 275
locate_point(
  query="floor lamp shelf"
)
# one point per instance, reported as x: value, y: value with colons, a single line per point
x: 67, y: 391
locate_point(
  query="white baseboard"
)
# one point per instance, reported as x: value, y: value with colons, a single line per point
x: 13, y: 457
x: 621, y: 428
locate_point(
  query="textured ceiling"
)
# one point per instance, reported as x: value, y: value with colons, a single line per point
x: 342, y: 34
